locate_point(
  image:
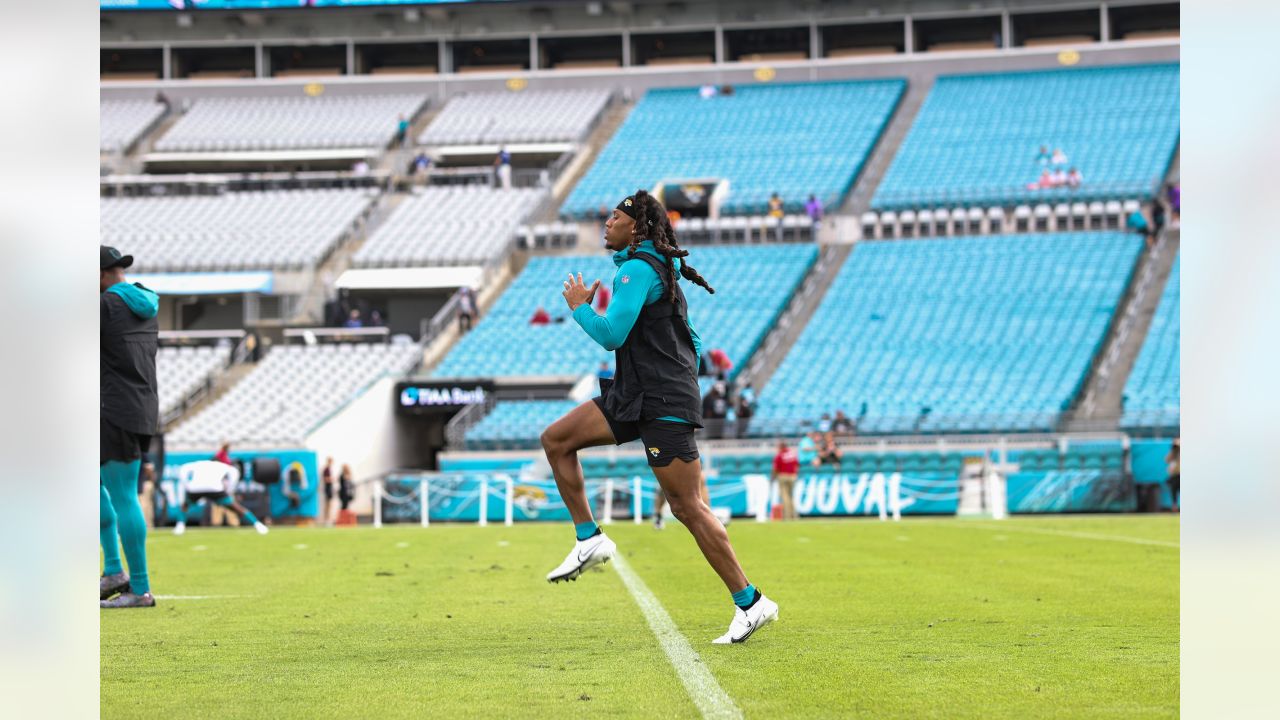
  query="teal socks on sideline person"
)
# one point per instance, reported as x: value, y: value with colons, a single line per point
x: 745, y: 597
x: 586, y: 529
x: 248, y: 514
x: 121, y: 483
x: 107, y: 534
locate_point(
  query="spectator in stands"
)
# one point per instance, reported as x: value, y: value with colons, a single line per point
x: 1173, y: 193
x: 715, y: 407
x: 402, y: 131
x: 224, y: 454
x: 748, y: 395
x: 540, y: 317
x: 605, y: 372
x: 706, y: 92
x: 360, y: 168
x: 164, y: 100
x: 726, y: 90
x: 720, y: 363
x: 1074, y: 179
x: 1157, y: 217
x: 329, y: 484
x: 353, y: 319
x: 813, y: 209
x: 502, y: 164
x: 1058, y: 178
x: 1043, y: 157
x: 673, y: 217
x: 1137, y: 222
x: 830, y: 453
x: 1173, y: 461
x: 1045, y: 181
x: 786, y: 466
x: 744, y: 408
x: 421, y: 166
x: 808, y: 450
x: 375, y: 318
x: 842, y: 424
x: 466, y: 309
x: 1059, y: 158
x: 346, y: 487
x: 824, y: 423
x: 775, y: 215
x: 603, y: 295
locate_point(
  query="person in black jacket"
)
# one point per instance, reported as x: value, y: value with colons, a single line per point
x: 653, y: 397
x: 129, y: 416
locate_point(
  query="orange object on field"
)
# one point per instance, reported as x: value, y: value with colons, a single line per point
x: 346, y: 518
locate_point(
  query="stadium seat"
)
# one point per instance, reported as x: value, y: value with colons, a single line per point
x: 989, y: 333
x: 541, y: 116
x: 1152, y: 394
x: 120, y: 122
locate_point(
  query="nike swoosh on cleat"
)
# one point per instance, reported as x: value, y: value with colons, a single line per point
x: 750, y: 629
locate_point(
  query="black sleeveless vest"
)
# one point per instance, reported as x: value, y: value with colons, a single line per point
x: 656, y: 371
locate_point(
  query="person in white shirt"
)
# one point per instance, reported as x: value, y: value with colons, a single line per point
x: 1059, y: 157
x: 1074, y: 178
x: 213, y: 481
x: 1058, y: 178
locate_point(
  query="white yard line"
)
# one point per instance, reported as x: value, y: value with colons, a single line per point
x: 1065, y: 533
x: 706, y: 693
x: 197, y: 597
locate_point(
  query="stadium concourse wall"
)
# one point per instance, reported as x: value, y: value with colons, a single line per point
x: 363, y: 434
x: 1057, y: 475
x: 634, y: 81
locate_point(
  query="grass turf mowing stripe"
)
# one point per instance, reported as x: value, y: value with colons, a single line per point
x: 706, y: 693
x: 1070, y: 533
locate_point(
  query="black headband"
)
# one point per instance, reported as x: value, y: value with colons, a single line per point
x: 629, y: 207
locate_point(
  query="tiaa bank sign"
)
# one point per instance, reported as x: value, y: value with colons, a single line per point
x: 444, y: 398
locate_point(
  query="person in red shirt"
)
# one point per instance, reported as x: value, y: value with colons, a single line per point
x: 540, y: 317
x: 224, y: 454
x: 721, y: 363
x: 786, y: 465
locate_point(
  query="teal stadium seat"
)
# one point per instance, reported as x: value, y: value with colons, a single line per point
x: 975, y: 139
x: 793, y: 139
x: 989, y: 333
x: 1153, y: 391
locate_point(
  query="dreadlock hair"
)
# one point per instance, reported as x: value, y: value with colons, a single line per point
x: 652, y: 224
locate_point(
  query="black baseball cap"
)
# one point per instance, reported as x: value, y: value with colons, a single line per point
x: 109, y: 257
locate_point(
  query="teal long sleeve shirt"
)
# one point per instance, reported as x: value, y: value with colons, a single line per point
x: 635, y: 285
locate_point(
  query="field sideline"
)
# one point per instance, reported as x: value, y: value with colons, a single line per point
x: 1071, y: 616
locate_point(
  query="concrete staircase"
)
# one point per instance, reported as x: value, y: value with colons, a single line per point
x: 766, y: 359
x: 311, y: 309
x: 1099, y: 405
x: 613, y: 117
x: 131, y: 163
x: 225, y: 380
x: 436, y: 350
x: 859, y: 201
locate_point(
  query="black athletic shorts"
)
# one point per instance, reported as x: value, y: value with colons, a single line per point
x: 663, y: 440
x: 119, y: 445
x: 212, y: 497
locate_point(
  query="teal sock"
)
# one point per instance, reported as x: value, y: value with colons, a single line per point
x: 586, y: 529
x: 746, y: 597
x: 121, y: 481
x: 248, y: 514
x: 107, y: 534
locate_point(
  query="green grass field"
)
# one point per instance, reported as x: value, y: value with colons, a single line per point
x: 1028, y: 617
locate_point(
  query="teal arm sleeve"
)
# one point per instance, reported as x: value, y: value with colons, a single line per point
x: 611, y: 329
x: 697, y: 343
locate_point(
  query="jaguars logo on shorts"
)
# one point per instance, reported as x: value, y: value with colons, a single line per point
x: 654, y: 451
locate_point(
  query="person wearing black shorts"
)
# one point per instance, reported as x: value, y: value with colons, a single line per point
x: 653, y: 397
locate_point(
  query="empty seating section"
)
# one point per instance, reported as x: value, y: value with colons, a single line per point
x: 793, y: 139
x: 273, y: 230
x: 449, y: 225
x: 516, y: 117
x: 977, y: 138
x: 970, y: 334
x: 293, y: 390
x: 753, y: 284
x: 1152, y: 395
x: 180, y: 371
x: 300, y: 122
x: 120, y: 122
x: 516, y: 423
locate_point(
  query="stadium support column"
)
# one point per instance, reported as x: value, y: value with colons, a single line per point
x: 166, y: 59
x: 815, y: 41
x: 351, y: 57
x: 626, y: 48
x: 909, y: 35
x: 259, y: 61
x: 533, y: 51
x: 1104, y: 23
x: 719, y: 44
x: 1006, y: 31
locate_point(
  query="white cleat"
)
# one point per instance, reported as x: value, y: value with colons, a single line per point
x: 262, y: 529
x: 746, y: 622
x: 586, y: 554
x: 179, y: 528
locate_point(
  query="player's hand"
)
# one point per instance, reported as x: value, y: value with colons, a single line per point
x: 577, y: 293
